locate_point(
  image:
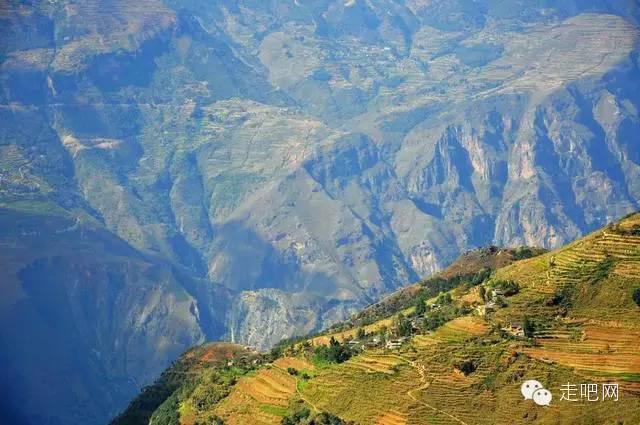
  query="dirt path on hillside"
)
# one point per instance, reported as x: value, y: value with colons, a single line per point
x: 424, y: 384
x: 303, y: 398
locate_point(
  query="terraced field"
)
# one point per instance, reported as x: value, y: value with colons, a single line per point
x: 259, y: 399
x: 468, y: 371
x: 366, y: 389
x: 346, y: 335
x: 461, y: 328
x: 371, y: 363
x: 596, y: 340
x: 605, y: 351
x: 598, y: 336
x: 392, y: 417
x: 572, y: 268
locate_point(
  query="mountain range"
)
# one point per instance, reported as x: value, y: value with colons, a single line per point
x: 460, y: 350
x: 174, y: 172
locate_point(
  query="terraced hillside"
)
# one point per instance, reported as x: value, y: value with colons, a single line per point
x: 297, y: 160
x: 585, y: 328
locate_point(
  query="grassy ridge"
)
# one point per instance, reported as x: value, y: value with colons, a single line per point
x: 583, y: 327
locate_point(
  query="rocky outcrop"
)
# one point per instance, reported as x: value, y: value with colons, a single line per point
x: 87, y: 316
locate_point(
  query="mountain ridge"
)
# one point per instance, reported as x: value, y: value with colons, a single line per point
x: 566, y: 343
x: 291, y: 163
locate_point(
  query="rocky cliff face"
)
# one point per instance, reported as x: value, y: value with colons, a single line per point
x: 86, y: 316
x: 294, y: 160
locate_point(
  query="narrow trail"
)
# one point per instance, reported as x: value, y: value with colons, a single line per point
x: 303, y: 398
x: 424, y: 385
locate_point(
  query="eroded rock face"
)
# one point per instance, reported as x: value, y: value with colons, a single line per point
x: 296, y: 161
x: 88, y: 316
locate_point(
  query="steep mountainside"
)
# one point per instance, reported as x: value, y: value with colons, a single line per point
x: 85, y: 318
x: 571, y: 316
x: 291, y: 162
x: 472, y: 265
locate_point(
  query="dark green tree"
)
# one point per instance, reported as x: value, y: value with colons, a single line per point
x: 636, y: 296
x: 528, y: 327
x: 483, y: 293
x: 444, y: 298
x: 508, y: 287
x: 402, y: 325
x: 421, y: 306
x: 298, y: 417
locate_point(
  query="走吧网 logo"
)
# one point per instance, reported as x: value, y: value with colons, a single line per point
x: 534, y: 390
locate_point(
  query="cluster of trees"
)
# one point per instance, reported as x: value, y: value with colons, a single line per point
x: 528, y: 327
x: 624, y: 231
x: 507, y: 287
x: 335, y: 352
x: 430, y: 317
x: 421, y: 306
x: 602, y: 270
x: 467, y: 367
x: 436, y: 319
x: 158, y: 394
x: 288, y: 345
x: 525, y: 252
x: 444, y: 299
x: 636, y: 296
x: 202, y: 392
x: 402, y: 325
x: 215, y: 385
x: 303, y: 416
x: 428, y: 288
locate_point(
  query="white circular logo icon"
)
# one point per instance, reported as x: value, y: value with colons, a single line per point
x: 529, y: 387
x: 542, y: 397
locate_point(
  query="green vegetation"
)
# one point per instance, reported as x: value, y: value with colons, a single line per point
x: 602, y: 270
x: 213, y: 387
x: 467, y: 367
x: 274, y: 410
x: 402, y: 325
x: 449, y: 365
x: 196, y: 382
x: 506, y: 287
x: 528, y: 327
x: 303, y: 416
x: 160, y: 397
x: 444, y: 299
x: 200, y: 393
x: 335, y: 352
x: 424, y: 290
x: 633, y: 230
x: 421, y: 305
x: 439, y: 316
x: 524, y: 252
x: 636, y: 296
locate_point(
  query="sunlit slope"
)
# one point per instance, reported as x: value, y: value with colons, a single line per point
x: 586, y: 329
x: 380, y: 314
x: 582, y: 295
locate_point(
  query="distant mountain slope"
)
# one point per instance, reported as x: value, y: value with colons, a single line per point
x: 177, y: 376
x: 581, y: 324
x: 470, y: 266
x: 86, y: 316
x: 310, y: 158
